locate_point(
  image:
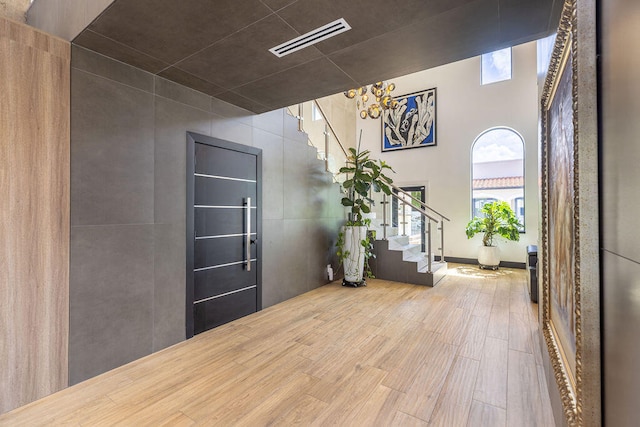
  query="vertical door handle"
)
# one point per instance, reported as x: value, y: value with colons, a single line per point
x: 247, y: 204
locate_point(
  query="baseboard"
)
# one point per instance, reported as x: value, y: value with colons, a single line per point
x: 473, y: 261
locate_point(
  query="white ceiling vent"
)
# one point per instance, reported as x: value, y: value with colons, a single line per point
x: 312, y: 37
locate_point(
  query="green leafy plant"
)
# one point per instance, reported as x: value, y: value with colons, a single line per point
x: 363, y: 175
x: 498, y: 220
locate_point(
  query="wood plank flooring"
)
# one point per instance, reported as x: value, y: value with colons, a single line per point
x: 390, y: 354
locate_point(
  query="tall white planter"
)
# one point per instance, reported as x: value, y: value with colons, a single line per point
x: 489, y: 257
x: 354, y: 262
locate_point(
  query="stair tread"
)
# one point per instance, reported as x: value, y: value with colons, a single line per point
x: 416, y: 257
x: 398, y: 240
x: 407, y: 247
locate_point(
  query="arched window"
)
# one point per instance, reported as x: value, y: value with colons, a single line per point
x: 497, y: 165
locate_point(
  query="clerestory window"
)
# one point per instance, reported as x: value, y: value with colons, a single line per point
x: 496, y: 66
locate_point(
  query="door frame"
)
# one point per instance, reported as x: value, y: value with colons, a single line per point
x: 192, y: 139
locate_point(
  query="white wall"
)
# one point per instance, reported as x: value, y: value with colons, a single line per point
x: 502, y: 168
x: 464, y: 110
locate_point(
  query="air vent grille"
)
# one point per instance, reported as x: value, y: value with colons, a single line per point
x: 312, y: 37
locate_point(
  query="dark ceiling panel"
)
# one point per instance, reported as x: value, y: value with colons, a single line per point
x: 189, y: 80
x: 119, y: 51
x: 278, y: 4
x: 307, y: 81
x: 367, y: 18
x: 170, y: 30
x: 412, y: 48
x: 245, y: 57
x: 556, y: 11
x: 519, y: 17
x: 221, y: 47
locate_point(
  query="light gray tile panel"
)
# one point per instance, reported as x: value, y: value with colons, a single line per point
x: 272, y: 122
x: 296, y: 181
x: 295, y: 254
x: 336, y: 209
x: 291, y: 131
x: 169, y: 296
x: 621, y: 308
x: 73, y: 14
x: 172, y: 121
x: 111, y: 298
x: 620, y: 174
x: 231, y: 130
x: 272, y: 173
x: 319, y: 182
x: 112, y: 161
x: 322, y: 239
x: 274, y: 265
x: 45, y: 16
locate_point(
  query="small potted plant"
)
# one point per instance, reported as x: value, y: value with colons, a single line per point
x: 354, y: 246
x: 498, y: 220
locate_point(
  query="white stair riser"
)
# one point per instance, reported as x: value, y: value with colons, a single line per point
x: 396, y: 242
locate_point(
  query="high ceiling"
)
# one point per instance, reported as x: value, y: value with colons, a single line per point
x: 220, y: 47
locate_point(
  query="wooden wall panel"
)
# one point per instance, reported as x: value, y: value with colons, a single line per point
x: 34, y: 214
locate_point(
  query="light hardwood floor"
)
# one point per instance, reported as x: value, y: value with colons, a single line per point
x: 464, y: 353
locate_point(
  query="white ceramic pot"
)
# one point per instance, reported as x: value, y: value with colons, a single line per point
x: 489, y: 257
x: 354, y: 262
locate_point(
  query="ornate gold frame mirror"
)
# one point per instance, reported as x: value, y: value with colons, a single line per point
x: 569, y: 252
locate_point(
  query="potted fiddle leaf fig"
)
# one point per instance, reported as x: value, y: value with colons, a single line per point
x: 364, y: 175
x: 498, y: 220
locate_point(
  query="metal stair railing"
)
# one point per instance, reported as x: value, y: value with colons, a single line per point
x: 428, y: 214
x: 329, y: 151
x: 321, y: 135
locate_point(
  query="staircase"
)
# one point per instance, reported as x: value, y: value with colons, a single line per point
x: 400, y: 261
x: 396, y: 259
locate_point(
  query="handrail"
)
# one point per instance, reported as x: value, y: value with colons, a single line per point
x: 424, y: 214
x: 423, y: 204
x: 324, y: 116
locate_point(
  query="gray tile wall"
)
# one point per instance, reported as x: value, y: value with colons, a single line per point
x: 620, y: 204
x: 128, y: 148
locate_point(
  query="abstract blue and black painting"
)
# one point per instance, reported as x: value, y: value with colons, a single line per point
x: 412, y: 124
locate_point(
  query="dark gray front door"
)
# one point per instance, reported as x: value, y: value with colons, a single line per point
x: 223, y: 230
